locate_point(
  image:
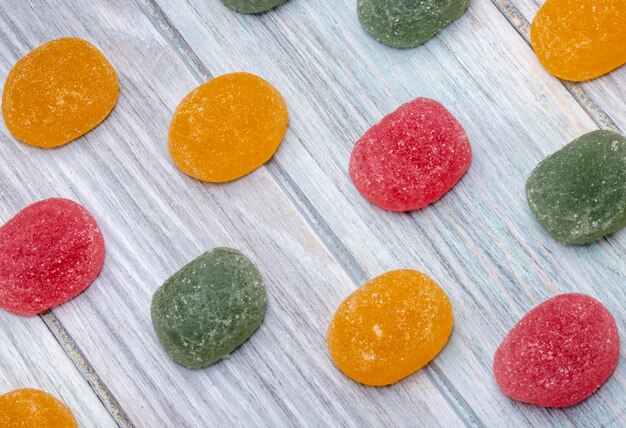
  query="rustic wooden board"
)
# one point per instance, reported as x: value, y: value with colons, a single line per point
x: 314, y: 238
x: 604, y: 98
x: 31, y: 357
x: 155, y: 219
x: 481, y: 240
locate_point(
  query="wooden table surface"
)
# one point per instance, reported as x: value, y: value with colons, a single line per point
x: 299, y: 218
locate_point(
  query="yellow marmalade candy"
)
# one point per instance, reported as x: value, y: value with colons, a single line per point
x: 227, y: 127
x: 32, y: 408
x: 390, y: 327
x: 58, y: 92
x: 580, y: 39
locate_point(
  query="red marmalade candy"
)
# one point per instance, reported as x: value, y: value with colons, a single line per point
x: 410, y: 159
x: 559, y: 353
x: 49, y: 253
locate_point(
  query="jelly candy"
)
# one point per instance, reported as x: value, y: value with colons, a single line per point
x: 228, y: 127
x: 582, y: 39
x: 578, y: 194
x: 408, y: 23
x: 49, y: 253
x: 411, y: 158
x: 390, y: 327
x: 252, y: 6
x: 24, y: 408
x: 58, y: 92
x: 559, y: 353
x: 209, y: 308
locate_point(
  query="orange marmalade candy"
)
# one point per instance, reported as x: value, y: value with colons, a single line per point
x: 582, y: 39
x: 227, y: 127
x: 58, y: 92
x: 26, y: 408
x: 390, y: 327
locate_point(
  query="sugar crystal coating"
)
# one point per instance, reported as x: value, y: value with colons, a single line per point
x: 50, y: 252
x: 408, y: 23
x: 411, y: 158
x: 227, y: 127
x: 578, y: 194
x: 23, y: 408
x: 580, y: 40
x: 58, y: 92
x: 559, y: 353
x: 209, y: 308
x: 390, y: 327
x: 252, y: 6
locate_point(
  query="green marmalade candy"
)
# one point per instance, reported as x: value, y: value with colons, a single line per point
x: 408, y: 23
x: 578, y: 194
x: 252, y: 6
x: 209, y: 307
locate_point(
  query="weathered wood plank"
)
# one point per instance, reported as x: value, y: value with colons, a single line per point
x: 31, y: 357
x: 480, y: 242
x: 604, y: 98
x: 155, y: 219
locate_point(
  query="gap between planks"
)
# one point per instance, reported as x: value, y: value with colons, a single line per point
x: 593, y: 110
x: 77, y: 357
x: 303, y: 205
x: 72, y: 350
x: 332, y: 242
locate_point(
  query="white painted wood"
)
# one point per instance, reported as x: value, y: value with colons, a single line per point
x: 607, y: 92
x: 31, y: 357
x: 480, y: 241
x: 155, y: 219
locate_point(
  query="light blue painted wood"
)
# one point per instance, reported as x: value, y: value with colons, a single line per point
x: 313, y: 236
x: 31, y: 357
x: 604, y: 98
x: 480, y: 241
x: 155, y: 219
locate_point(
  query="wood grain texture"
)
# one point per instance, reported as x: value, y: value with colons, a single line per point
x: 155, y: 219
x: 300, y: 219
x: 480, y: 242
x: 604, y: 97
x: 31, y: 357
